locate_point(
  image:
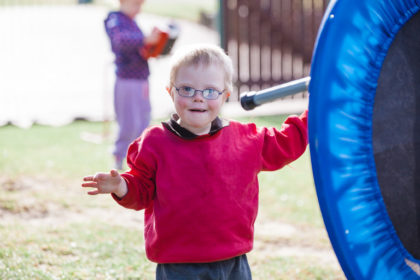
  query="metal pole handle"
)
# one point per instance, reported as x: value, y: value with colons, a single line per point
x: 252, y: 99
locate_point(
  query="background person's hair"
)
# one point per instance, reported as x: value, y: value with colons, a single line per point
x: 202, y: 54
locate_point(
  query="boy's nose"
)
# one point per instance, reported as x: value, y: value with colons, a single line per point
x: 198, y: 96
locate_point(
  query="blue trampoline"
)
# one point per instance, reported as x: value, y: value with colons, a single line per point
x: 364, y: 135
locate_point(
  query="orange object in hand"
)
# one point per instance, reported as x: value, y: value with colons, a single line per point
x: 166, y: 39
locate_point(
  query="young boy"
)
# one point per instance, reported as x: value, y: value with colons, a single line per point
x: 196, y: 175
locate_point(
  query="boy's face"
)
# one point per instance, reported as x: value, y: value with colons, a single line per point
x: 131, y: 7
x: 196, y: 113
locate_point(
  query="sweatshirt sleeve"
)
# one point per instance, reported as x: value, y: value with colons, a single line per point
x: 281, y: 147
x: 140, y: 178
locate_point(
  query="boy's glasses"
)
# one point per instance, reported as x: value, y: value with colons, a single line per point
x: 208, y: 93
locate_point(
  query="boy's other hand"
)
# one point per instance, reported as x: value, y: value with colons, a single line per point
x: 110, y: 182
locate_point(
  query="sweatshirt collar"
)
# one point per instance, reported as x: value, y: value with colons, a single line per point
x: 173, y: 126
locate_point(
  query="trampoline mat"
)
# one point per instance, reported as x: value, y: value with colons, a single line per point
x: 396, y: 134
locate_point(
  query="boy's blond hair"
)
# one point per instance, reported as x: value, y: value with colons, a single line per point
x: 205, y: 55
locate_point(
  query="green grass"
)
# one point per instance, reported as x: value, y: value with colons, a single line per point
x: 54, y: 151
x: 288, y: 268
x: 51, y: 229
x: 73, y: 251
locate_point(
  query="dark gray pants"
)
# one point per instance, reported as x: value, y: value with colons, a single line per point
x: 233, y: 269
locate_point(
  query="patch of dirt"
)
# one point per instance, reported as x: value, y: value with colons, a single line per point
x: 276, y: 239
x: 17, y: 199
x: 20, y: 201
x: 8, y: 184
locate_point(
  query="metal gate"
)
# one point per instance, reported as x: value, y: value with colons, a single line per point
x: 269, y: 41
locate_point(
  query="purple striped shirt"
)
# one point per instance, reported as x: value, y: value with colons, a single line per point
x: 126, y: 40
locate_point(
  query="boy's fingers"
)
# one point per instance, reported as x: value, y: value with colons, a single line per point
x: 114, y: 173
x: 93, y: 192
x: 90, y: 185
x: 88, y: 178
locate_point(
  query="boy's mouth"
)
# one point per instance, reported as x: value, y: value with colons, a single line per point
x: 198, y: 110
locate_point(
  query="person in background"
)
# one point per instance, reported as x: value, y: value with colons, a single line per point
x: 196, y: 175
x: 131, y: 91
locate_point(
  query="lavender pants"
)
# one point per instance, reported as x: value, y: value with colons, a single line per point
x: 132, y: 111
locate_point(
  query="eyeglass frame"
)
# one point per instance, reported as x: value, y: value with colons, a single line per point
x: 199, y: 90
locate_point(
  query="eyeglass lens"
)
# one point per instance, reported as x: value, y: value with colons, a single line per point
x: 190, y: 92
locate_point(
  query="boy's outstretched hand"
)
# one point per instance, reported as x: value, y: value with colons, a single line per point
x: 110, y: 182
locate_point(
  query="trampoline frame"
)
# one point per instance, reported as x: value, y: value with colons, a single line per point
x: 352, y: 44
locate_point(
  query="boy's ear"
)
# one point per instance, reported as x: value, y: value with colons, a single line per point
x: 168, y: 89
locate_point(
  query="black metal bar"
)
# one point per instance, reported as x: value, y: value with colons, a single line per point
x: 252, y: 99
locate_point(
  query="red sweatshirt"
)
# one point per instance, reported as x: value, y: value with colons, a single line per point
x: 201, y: 195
